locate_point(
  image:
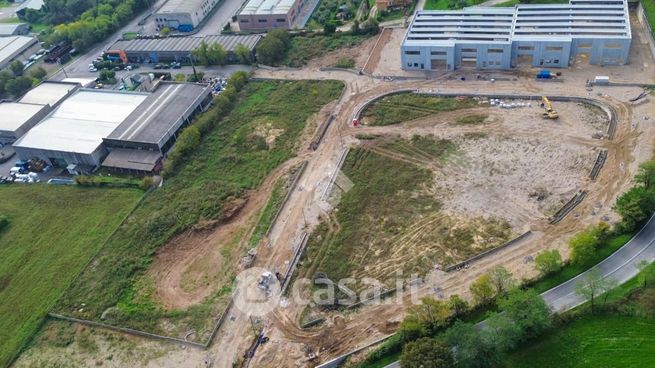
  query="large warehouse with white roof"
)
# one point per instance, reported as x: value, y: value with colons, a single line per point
x: 552, y: 35
x: 90, y: 124
x: 269, y: 14
x: 17, y: 48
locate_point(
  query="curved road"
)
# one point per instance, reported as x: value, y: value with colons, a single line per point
x: 621, y: 265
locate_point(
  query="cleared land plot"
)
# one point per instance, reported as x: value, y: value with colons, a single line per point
x: 211, y: 189
x: 594, y: 341
x: 305, y: 48
x: 390, y: 220
x: 53, y: 232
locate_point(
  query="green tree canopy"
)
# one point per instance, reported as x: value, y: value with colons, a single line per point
x: 426, y: 353
x: 548, y: 261
x: 483, y: 289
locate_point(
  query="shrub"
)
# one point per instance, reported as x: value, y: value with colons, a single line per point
x: 548, y: 262
x: 4, y: 221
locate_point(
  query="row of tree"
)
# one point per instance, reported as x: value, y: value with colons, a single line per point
x: 94, y: 23
x: 190, y: 138
x: 14, y: 83
x: 215, y: 54
x: 523, y: 315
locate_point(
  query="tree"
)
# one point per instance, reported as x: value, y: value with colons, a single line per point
x: 216, y: 55
x: 38, y: 73
x: 593, y: 285
x: 17, y: 87
x: 457, y: 305
x: 528, y: 311
x: 472, y: 346
x: 243, y: 53
x: 5, y: 76
x: 634, y: 206
x: 16, y: 67
x: 426, y: 353
x: 431, y: 313
x: 272, y: 48
x: 646, y: 174
x: 483, y: 289
x: 411, y: 329
x: 548, y: 262
x: 583, y: 246
x: 502, y: 280
x: 329, y: 28
x: 165, y: 32
x: 502, y: 331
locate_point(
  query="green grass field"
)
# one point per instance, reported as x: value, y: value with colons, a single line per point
x: 398, y: 108
x: 594, y: 341
x: 305, y: 48
x: 448, y: 4
x: 53, y: 232
x: 231, y: 159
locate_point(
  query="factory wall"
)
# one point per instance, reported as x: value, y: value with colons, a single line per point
x: 56, y: 158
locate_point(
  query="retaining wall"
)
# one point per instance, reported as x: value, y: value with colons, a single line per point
x: 490, y: 251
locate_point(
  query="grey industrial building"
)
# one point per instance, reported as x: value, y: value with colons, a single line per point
x: 540, y: 35
x: 183, y: 15
x: 17, y: 48
x: 130, y: 131
x: 180, y: 48
x: 14, y: 29
x: 17, y: 118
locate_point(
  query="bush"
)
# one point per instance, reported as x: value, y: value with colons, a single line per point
x: 273, y: 48
x: 4, y: 222
x: 426, y: 353
x: 583, y: 244
x: 548, y: 262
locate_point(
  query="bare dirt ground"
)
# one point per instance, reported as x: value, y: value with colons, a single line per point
x: 343, y: 331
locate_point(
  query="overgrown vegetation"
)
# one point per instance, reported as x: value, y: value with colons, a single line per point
x: 14, y: 82
x: 266, y: 217
x: 407, y: 106
x: 206, y: 186
x: 54, y: 231
x: 346, y: 63
x: 83, y: 23
x: 305, y: 48
x: 387, y: 221
x: 473, y: 119
x: 449, y: 4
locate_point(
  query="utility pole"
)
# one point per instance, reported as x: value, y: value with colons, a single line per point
x: 195, y: 75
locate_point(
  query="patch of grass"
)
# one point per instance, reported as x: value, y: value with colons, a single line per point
x: 389, y: 210
x: 266, y: 217
x: 305, y: 48
x: 649, y: 9
x: 592, y: 341
x: 53, y: 232
x: 408, y: 106
x: 397, y: 13
x: 473, y: 119
x: 212, y: 183
x: 449, y: 4
x: 570, y: 271
x: 346, y: 63
x: 130, y: 35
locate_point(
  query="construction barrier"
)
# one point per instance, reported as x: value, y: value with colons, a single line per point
x: 600, y: 161
x: 459, y: 265
x: 568, y: 207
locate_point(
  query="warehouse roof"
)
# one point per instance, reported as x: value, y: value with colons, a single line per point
x: 81, y: 121
x: 10, y: 29
x: 15, y: 115
x: 185, y: 44
x: 14, y: 45
x: 261, y: 7
x: 161, y: 114
x: 180, y: 6
x: 132, y: 159
x: 48, y: 93
x: 578, y: 19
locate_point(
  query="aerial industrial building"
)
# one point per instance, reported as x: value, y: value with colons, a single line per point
x: 183, y: 15
x: 269, y: 14
x: 180, y: 48
x: 548, y: 35
x: 131, y: 131
x: 14, y: 29
x: 17, y: 48
x: 19, y: 117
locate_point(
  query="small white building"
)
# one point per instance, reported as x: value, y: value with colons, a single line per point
x: 259, y: 15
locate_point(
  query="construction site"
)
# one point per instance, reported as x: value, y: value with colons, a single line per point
x: 438, y: 176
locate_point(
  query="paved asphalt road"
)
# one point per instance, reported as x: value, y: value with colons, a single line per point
x: 621, y: 266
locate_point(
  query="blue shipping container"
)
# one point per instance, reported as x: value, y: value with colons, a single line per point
x: 185, y: 28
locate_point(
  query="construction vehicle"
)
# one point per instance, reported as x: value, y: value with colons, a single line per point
x: 548, y: 106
